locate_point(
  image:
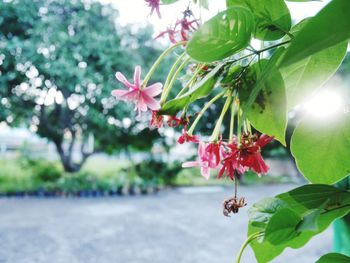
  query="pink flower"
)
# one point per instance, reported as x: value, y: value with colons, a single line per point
x: 213, y: 149
x: 143, y: 97
x: 156, y: 120
x: 205, y: 161
x: 171, y: 34
x: 185, y: 137
x: 154, y: 5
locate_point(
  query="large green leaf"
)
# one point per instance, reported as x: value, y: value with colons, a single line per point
x: 302, y: 201
x: 282, y: 226
x: 223, y: 35
x: 201, y: 89
x: 334, y: 258
x: 328, y: 28
x: 322, y: 149
x: 268, y: 113
x: 272, y: 17
x: 305, y: 76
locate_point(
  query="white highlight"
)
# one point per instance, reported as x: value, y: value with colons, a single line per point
x: 324, y: 104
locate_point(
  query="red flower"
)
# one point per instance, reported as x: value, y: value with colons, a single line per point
x: 186, y: 27
x: 171, y: 32
x: 213, y: 149
x: 154, y: 5
x: 173, y: 121
x: 156, y: 120
x: 185, y: 137
x: 239, y: 159
x: 230, y: 163
x: 250, y: 153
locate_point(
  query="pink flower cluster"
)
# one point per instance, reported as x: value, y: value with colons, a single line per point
x: 232, y: 158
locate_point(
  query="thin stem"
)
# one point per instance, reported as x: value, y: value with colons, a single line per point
x: 238, y: 120
x: 227, y: 104
x: 200, y: 114
x: 182, y: 91
x: 172, y: 70
x: 232, y: 121
x: 236, y: 184
x: 170, y: 85
x: 159, y: 59
x: 258, y: 52
x: 246, y: 243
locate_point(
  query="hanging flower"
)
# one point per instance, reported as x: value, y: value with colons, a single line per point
x: 232, y: 205
x: 186, y: 26
x: 154, y: 5
x: 205, y: 161
x: 143, y: 97
x: 230, y: 164
x: 250, y: 153
x: 156, y: 119
x: 171, y: 32
x: 185, y: 137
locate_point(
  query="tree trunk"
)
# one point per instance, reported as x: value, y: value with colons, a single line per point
x: 66, y: 157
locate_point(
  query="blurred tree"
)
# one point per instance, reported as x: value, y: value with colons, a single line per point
x: 57, y: 64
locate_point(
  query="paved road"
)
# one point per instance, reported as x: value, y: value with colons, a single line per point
x: 177, y: 226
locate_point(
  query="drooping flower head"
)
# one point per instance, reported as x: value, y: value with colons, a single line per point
x: 171, y: 32
x: 250, y: 153
x: 143, y: 97
x: 205, y: 161
x: 185, y: 137
x: 230, y: 161
x: 156, y: 119
x: 154, y: 5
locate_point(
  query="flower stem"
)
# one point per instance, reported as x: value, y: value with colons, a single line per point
x: 200, y: 114
x: 239, y: 124
x: 246, y: 243
x: 182, y: 91
x: 232, y: 122
x: 170, y: 84
x: 216, y: 132
x: 159, y: 59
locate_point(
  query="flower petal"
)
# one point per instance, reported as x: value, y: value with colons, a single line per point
x: 137, y: 76
x: 154, y: 89
x: 205, y: 172
x: 190, y: 164
x: 123, y: 80
x: 124, y: 94
x: 149, y: 101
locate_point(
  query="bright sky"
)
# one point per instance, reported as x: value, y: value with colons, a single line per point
x: 137, y: 11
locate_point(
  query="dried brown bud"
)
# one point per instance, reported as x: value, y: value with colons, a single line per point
x: 232, y: 205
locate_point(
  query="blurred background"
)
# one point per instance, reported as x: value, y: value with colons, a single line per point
x: 63, y: 135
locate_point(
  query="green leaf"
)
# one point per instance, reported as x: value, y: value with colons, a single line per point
x: 305, y: 76
x: 282, y: 226
x: 334, y: 258
x: 322, y: 149
x: 223, y: 35
x: 261, y: 212
x: 201, y: 89
x: 302, y: 201
x: 168, y: 2
x: 328, y: 28
x: 310, y: 220
x: 304, y: 0
x: 268, y: 113
x: 272, y: 17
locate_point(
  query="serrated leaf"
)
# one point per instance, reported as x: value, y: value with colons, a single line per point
x: 305, y: 76
x: 328, y: 28
x: 222, y: 36
x: 322, y: 149
x: 201, y: 89
x: 272, y: 17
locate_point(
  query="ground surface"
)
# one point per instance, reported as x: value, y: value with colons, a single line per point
x: 177, y: 226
